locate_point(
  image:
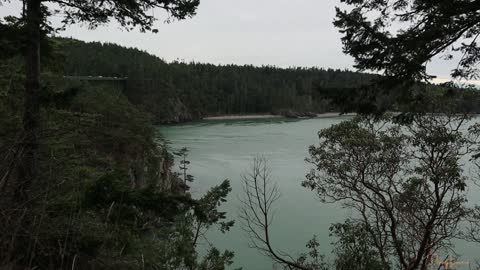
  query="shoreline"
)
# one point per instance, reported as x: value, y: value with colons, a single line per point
x: 245, y: 116
x: 267, y: 116
x: 333, y: 114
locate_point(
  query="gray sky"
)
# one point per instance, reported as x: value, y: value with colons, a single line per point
x: 260, y: 32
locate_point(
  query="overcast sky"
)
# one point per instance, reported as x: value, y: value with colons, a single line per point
x: 259, y: 32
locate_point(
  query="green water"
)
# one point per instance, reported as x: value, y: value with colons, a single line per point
x: 224, y: 150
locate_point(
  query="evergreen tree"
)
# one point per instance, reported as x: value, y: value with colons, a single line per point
x: 397, y: 38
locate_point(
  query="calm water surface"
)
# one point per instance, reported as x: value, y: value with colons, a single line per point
x: 224, y: 150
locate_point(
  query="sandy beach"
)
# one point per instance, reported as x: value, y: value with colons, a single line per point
x: 333, y: 114
x: 263, y: 116
x: 233, y: 117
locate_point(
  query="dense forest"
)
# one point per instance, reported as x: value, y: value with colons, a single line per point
x: 85, y: 182
x: 178, y: 91
x: 106, y: 194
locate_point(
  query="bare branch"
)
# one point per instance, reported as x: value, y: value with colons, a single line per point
x: 260, y: 192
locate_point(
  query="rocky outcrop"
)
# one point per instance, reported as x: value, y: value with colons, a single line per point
x: 176, y: 112
x: 153, y: 167
x: 179, y: 112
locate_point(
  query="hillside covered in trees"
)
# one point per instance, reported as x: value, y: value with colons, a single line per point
x: 176, y: 92
x: 107, y: 194
x: 104, y: 193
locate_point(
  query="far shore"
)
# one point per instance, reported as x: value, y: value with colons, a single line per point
x: 266, y: 116
x: 246, y: 116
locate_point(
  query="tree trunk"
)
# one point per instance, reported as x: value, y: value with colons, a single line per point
x: 31, y: 117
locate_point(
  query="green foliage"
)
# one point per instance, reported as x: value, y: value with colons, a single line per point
x: 313, y: 259
x: 398, y: 38
x: 180, y: 91
x: 114, y: 188
x: 427, y: 28
x: 176, y: 92
x: 10, y: 41
x: 403, y: 180
x: 216, y: 260
x: 96, y: 190
x: 129, y: 14
x: 354, y: 248
x: 206, y: 211
x: 106, y: 192
x: 183, y: 153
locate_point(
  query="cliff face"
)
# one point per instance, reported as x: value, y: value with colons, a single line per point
x: 149, y: 167
x: 166, y: 109
x: 119, y: 136
x: 177, y: 112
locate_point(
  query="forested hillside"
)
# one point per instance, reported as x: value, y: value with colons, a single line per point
x: 175, y: 92
x: 106, y: 195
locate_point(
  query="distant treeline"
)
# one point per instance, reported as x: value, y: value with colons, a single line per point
x: 175, y: 92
